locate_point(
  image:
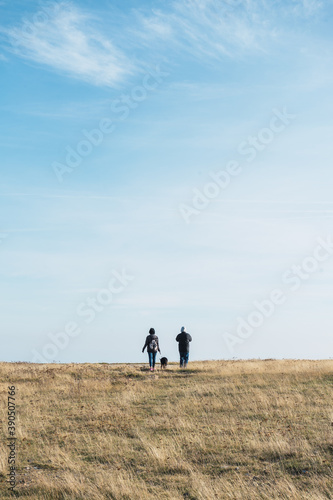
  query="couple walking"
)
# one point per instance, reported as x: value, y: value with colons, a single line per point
x: 152, y: 344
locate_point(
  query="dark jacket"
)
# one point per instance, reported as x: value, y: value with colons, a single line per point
x: 184, y: 340
x: 148, y: 341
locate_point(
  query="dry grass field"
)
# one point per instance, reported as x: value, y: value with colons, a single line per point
x: 224, y: 430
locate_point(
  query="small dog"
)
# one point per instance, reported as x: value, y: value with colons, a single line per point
x: 164, y: 363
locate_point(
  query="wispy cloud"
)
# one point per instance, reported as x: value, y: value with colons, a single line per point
x: 68, y: 43
x: 205, y: 28
x: 213, y: 29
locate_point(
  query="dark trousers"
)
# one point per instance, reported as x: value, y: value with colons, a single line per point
x: 184, y: 359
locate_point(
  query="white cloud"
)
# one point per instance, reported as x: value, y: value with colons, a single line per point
x: 156, y: 26
x: 66, y: 42
x: 209, y: 28
x: 213, y: 29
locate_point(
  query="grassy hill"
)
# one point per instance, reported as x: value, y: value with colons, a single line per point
x: 219, y: 430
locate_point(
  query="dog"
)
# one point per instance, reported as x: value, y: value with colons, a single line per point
x: 164, y: 363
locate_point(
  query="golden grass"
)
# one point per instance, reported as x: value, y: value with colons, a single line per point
x: 224, y: 430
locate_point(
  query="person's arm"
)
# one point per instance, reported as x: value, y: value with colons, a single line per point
x: 146, y: 343
x: 189, y: 338
x: 158, y: 345
x: 177, y: 338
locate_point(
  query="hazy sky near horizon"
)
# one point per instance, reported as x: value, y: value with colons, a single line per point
x: 116, y: 117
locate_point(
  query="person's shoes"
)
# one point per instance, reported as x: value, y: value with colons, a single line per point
x: 151, y: 368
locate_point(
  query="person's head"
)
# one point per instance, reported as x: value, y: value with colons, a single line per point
x: 183, y: 329
x: 152, y: 331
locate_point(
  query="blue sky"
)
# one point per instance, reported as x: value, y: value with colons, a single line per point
x: 114, y: 117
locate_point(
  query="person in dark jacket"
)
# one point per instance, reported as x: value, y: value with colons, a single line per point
x: 152, y: 348
x: 184, y: 339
